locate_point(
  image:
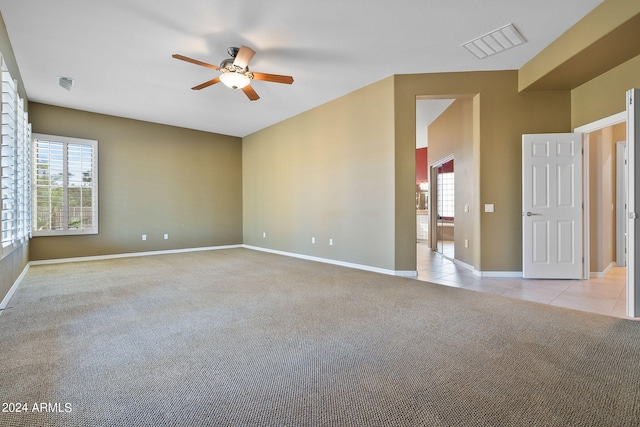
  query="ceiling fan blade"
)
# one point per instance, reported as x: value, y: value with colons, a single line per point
x: 193, y: 61
x: 276, y: 78
x: 207, y: 84
x: 250, y: 92
x: 243, y: 57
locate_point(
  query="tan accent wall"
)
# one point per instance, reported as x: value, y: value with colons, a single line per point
x: 602, y: 198
x: 452, y: 134
x: 605, y: 95
x: 153, y: 179
x: 504, y: 115
x: 326, y: 174
x: 346, y: 170
x: 605, y: 38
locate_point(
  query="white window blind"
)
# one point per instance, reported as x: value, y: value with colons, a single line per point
x: 15, y: 165
x: 24, y: 172
x: 9, y: 159
x: 65, y: 196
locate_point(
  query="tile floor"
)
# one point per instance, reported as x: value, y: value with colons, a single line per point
x: 597, y: 295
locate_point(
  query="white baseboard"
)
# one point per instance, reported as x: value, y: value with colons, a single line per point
x: 13, y: 289
x: 601, y: 274
x: 131, y: 254
x: 517, y: 274
x: 487, y: 273
x: 467, y: 266
x: 401, y: 273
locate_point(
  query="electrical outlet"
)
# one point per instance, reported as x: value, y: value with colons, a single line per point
x: 330, y: 242
x: 313, y: 240
x: 466, y: 243
x: 166, y: 236
x: 264, y: 235
x: 144, y: 237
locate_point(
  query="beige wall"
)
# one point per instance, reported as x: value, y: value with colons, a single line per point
x: 504, y: 115
x: 327, y: 173
x: 347, y: 169
x: 602, y: 40
x: 153, y: 179
x: 344, y: 170
x: 605, y: 95
x: 452, y: 134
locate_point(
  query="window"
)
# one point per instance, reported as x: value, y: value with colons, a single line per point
x: 15, y: 162
x: 446, y: 195
x: 65, y: 194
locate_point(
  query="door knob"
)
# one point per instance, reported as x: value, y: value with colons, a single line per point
x: 532, y: 214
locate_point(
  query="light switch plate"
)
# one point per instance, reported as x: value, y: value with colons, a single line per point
x: 488, y: 207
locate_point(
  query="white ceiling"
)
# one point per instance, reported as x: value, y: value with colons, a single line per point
x: 119, y: 51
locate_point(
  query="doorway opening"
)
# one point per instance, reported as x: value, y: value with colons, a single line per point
x: 428, y: 110
x: 605, y: 190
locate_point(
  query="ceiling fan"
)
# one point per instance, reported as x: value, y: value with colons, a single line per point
x: 235, y: 72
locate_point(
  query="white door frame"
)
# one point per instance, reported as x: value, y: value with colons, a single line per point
x: 433, y: 201
x: 633, y: 202
x: 622, y: 178
x: 585, y: 130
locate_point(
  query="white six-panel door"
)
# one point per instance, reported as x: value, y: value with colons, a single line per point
x: 552, y: 214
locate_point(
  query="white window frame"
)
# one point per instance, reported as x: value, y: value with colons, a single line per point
x: 66, y: 230
x: 446, y: 194
x: 15, y: 143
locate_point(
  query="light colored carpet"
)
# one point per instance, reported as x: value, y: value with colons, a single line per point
x: 244, y: 338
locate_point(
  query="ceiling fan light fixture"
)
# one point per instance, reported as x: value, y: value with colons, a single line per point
x: 234, y: 72
x: 234, y: 80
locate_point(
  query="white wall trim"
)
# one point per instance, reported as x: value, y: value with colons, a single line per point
x: 585, y: 129
x: 411, y: 274
x: 602, y: 123
x: 467, y: 266
x: 401, y: 273
x: 517, y: 274
x: 131, y: 254
x: 601, y: 274
x: 488, y: 273
x: 13, y: 289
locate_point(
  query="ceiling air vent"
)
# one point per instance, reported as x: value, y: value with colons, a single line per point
x: 495, y: 42
x: 66, y: 82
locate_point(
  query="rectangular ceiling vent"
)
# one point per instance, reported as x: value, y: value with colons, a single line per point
x: 495, y: 42
x: 66, y: 82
